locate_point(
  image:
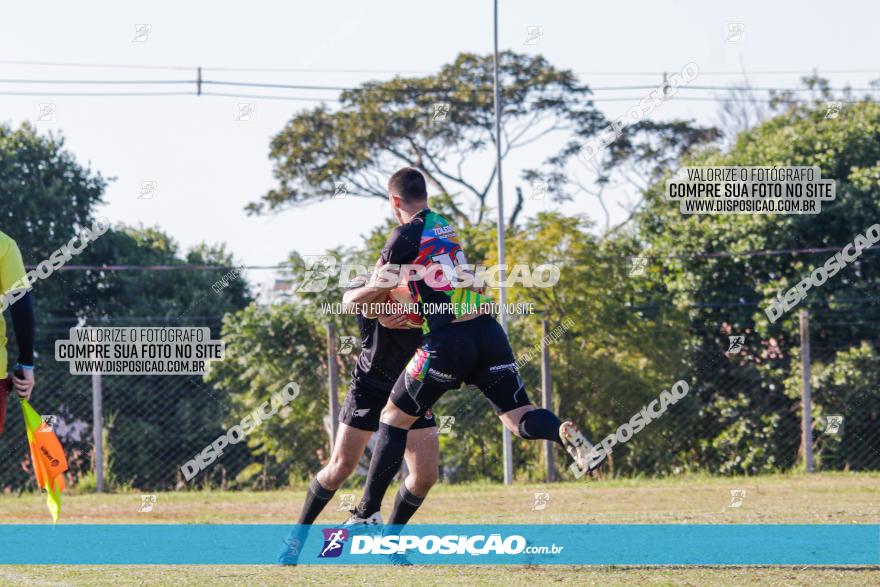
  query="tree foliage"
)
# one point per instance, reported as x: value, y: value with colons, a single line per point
x: 47, y: 198
x: 439, y: 123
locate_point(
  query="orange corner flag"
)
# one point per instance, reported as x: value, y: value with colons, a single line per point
x: 47, y: 456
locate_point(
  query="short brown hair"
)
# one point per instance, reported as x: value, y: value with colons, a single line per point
x: 409, y: 184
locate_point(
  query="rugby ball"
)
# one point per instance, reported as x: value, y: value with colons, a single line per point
x: 402, y: 295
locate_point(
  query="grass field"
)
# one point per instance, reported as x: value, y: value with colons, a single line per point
x: 815, y: 499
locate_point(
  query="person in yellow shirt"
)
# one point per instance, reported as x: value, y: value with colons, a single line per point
x: 16, y: 295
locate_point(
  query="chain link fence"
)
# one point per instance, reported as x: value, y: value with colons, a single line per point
x: 742, y: 415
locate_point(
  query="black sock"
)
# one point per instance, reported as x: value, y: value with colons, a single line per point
x: 387, y: 457
x: 540, y: 423
x: 317, y: 499
x: 405, y: 505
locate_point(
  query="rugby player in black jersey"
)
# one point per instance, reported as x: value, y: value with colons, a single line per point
x: 388, y: 341
x: 459, y: 346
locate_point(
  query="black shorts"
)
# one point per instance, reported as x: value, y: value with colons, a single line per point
x: 475, y: 352
x: 363, y: 406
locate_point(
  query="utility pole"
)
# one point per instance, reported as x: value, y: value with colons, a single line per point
x: 547, y: 396
x: 506, y: 438
x: 806, y: 393
x: 98, y: 430
x: 332, y: 384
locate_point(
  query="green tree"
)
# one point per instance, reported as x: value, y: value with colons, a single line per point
x: 639, y: 156
x: 47, y: 198
x: 382, y: 126
x: 849, y: 386
x: 270, y: 346
x: 156, y: 423
x: 748, y: 417
x: 267, y: 348
x: 613, y: 357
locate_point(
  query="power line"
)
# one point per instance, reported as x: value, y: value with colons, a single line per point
x: 631, y: 99
x: 756, y: 253
x: 349, y: 88
x: 311, y: 87
x: 203, y: 267
x: 302, y: 86
x: 181, y: 267
x: 96, y: 81
x: 487, y: 89
x: 53, y: 319
x: 751, y: 304
x: 730, y: 88
x: 760, y: 89
x: 199, y: 83
x: 719, y: 99
x: 244, y: 69
x: 94, y: 65
x: 270, y: 97
x: 738, y: 72
x: 318, y: 70
x: 95, y: 94
x: 226, y: 69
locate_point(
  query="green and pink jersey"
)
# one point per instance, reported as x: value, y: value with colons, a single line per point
x: 430, y: 241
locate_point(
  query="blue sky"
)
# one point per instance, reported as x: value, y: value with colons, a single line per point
x: 207, y: 165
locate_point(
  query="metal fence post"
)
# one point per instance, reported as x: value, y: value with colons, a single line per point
x: 98, y: 429
x: 332, y: 383
x: 547, y: 397
x: 806, y: 393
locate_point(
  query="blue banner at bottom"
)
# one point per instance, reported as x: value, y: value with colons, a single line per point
x: 601, y: 544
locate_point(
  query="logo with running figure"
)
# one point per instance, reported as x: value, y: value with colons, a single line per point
x: 542, y: 500
x: 834, y: 425
x: 736, y: 343
x: 445, y: 424
x: 346, y: 503
x: 638, y: 266
x: 441, y: 111
x: 737, y: 497
x: 346, y: 344
x: 147, y: 503
x: 334, y: 538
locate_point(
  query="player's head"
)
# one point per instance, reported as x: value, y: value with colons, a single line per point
x: 407, y: 191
